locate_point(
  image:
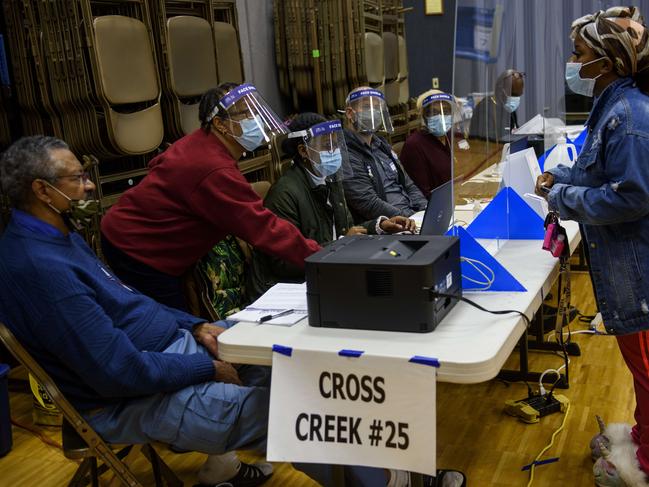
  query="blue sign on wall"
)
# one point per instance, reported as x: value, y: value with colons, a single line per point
x: 478, y: 33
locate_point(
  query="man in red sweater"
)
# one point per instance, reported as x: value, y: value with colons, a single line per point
x: 194, y: 196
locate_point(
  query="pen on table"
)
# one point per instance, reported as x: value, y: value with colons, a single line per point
x: 263, y: 319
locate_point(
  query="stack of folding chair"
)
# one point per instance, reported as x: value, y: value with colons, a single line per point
x: 5, y: 93
x: 390, y: 54
x: 86, y: 71
x: 320, y: 58
x: 29, y: 71
x: 187, y: 60
x: 396, y: 66
x: 5, y: 130
x: 281, y: 56
x: 109, y: 102
x: 227, y: 41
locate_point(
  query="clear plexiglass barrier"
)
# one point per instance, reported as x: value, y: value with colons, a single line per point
x: 515, y: 114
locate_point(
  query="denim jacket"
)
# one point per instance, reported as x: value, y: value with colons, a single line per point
x: 607, y: 193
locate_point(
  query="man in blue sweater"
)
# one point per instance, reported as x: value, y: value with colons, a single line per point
x: 136, y: 370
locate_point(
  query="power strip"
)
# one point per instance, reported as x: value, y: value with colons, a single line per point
x: 533, y: 408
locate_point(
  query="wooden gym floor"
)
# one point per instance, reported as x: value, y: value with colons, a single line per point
x: 474, y: 435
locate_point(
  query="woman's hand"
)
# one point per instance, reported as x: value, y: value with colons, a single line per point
x: 543, y: 184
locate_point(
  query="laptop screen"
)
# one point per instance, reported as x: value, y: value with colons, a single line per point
x: 439, y: 211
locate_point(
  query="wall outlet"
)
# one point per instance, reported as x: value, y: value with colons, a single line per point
x: 436, y: 83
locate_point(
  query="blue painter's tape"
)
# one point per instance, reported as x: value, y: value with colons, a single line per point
x: 418, y: 359
x: 288, y: 351
x: 350, y: 353
x: 540, y: 462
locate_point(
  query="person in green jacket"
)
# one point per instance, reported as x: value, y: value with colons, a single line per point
x: 310, y: 195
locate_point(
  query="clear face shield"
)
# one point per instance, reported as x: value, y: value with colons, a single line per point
x: 370, y: 111
x: 438, y: 113
x: 250, y: 119
x: 325, y: 148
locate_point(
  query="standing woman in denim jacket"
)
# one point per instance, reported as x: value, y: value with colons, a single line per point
x: 607, y: 192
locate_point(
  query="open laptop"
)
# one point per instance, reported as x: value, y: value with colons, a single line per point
x: 439, y: 211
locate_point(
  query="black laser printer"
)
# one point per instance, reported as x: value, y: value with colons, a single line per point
x: 383, y: 282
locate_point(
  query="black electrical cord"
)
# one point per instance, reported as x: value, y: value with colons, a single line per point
x: 436, y: 294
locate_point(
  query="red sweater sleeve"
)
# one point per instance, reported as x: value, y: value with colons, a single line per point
x: 227, y: 200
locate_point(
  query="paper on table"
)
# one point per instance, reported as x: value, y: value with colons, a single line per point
x: 255, y: 315
x: 282, y: 296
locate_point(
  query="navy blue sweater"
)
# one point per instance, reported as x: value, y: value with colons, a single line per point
x: 99, y: 340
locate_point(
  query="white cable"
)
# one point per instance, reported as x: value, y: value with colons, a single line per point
x: 556, y: 371
x: 488, y: 280
x: 568, y: 333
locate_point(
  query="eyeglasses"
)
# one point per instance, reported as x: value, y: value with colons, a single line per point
x: 82, y: 177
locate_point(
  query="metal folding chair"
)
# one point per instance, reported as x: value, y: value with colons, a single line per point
x: 80, y: 441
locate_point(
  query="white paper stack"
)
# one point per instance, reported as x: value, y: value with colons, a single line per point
x: 280, y: 298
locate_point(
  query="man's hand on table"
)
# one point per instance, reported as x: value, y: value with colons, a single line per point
x: 225, y: 372
x: 206, y: 334
x: 398, y: 224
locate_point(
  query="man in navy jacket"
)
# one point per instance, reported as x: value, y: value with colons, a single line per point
x: 137, y: 370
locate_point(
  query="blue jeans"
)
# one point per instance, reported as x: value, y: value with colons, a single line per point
x: 212, y: 417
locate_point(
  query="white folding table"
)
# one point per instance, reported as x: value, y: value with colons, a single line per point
x: 471, y: 345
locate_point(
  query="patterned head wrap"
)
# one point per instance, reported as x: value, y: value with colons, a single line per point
x: 618, y: 33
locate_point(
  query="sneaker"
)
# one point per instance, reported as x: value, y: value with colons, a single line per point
x: 247, y: 476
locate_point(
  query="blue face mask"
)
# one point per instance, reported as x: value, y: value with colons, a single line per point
x: 512, y: 103
x: 438, y: 125
x: 251, y: 135
x: 579, y: 85
x: 329, y: 162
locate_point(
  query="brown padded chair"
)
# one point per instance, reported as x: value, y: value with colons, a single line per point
x: 80, y: 441
x: 391, y: 63
x: 128, y: 80
x: 374, y: 61
x: 228, y: 54
x: 192, y: 65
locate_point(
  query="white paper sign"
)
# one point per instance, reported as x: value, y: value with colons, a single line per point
x: 482, y: 38
x: 368, y: 410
